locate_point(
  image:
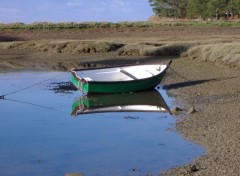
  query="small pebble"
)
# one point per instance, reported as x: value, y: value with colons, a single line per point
x: 176, y: 110
x: 191, y: 110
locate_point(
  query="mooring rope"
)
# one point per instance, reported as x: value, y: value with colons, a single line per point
x: 37, y: 105
x: 3, y: 96
x: 24, y: 88
x: 178, y: 74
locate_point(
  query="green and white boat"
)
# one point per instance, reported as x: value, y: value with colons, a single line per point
x: 145, y: 101
x: 119, y: 79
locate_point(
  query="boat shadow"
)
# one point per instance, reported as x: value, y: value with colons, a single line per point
x: 195, y: 82
x: 9, y: 39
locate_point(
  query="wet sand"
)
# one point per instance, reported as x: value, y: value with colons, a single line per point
x: 212, y: 89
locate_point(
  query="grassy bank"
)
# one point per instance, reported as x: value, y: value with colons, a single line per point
x: 99, y: 25
x: 219, y: 53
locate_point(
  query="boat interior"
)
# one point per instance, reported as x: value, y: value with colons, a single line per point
x: 121, y: 73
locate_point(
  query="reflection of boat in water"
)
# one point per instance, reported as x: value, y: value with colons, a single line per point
x: 149, y: 101
x: 119, y: 79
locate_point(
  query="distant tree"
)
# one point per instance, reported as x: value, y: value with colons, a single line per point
x: 216, y: 8
x: 181, y: 8
x: 226, y: 7
x: 234, y: 7
x: 195, y: 8
x: 159, y: 7
x: 169, y: 8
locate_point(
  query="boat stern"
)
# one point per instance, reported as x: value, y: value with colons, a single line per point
x: 80, y: 83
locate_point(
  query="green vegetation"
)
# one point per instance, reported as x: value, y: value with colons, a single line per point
x: 101, y: 25
x: 203, y: 9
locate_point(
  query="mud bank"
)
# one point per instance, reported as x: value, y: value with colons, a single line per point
x: 215, y: 94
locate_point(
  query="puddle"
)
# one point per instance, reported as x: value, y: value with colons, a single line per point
x: 45, y: 139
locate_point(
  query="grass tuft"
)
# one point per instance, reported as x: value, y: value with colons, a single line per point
x: 219, y: 53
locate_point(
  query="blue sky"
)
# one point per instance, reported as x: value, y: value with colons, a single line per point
x: 29, y: 11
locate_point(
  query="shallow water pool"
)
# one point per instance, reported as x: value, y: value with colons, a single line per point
x: 38, y: 135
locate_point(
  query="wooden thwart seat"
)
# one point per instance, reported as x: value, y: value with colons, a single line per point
x: 128, y: 74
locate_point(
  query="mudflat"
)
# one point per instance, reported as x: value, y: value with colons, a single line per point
x: 207, y: 60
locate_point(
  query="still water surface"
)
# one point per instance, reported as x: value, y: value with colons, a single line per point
x: 39, y: 141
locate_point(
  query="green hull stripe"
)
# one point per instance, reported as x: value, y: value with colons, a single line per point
x: 129, y: 86
x: 118, y: 87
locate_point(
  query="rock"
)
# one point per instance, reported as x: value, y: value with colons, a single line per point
x: 191, y: 110
x: 176, y: 110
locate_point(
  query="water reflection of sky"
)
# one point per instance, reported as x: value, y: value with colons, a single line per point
x: 38, y: 141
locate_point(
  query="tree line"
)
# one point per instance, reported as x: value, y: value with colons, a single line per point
x: 196, y: 8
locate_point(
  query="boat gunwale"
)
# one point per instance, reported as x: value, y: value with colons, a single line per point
x: 116, y: 66
x: 117, y: 82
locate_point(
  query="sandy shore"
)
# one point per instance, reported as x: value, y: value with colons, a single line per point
x: 215, y: 94
x: 211, y: 87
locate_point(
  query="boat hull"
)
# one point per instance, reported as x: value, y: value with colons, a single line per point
x: 116, y: 86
